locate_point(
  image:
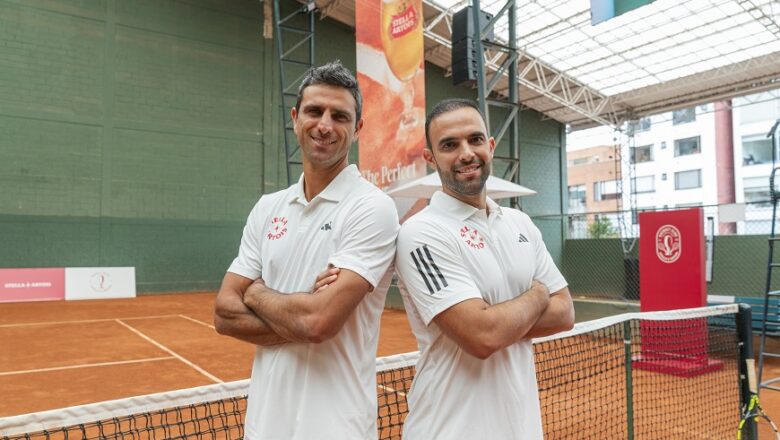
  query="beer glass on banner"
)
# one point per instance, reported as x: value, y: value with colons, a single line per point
x: 402, y: 41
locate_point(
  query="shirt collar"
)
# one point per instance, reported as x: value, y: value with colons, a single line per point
x: 460, y: 210
x: 337, y: 189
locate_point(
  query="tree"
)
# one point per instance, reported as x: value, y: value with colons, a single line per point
x: 602, y: 228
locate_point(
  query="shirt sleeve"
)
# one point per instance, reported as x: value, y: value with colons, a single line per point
x: 546, y: 271
x: 367, y: 244
x: 248, y: 263
x: 431, y: 267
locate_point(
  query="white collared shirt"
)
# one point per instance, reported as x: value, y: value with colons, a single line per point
x: 308, y: 391
x: 448, y: 253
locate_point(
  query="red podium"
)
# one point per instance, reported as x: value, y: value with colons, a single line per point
x: 672, y: 276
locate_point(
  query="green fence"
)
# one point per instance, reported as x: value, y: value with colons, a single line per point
x: 609, y: 267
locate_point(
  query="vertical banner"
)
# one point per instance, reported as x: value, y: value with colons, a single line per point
x: 391, y: 74
x: 672, y: 276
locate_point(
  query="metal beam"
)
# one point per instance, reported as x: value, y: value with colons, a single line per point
x: 500, y: 60
x: 537, y: 76
x: 295, y: 49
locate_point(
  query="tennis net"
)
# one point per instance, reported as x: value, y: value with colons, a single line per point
x: 657, y: 375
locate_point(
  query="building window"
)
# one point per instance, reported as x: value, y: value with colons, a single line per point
x: 663, y: 176
x: 644, y: 184
x: 605, y: 190
x: 757, y: 191
x: 663, y: 145
x: 578, y: 161
x: 687, y: 179
x: 688, y: 205
x: 577, y: 198
x: 684, y: 147
x: 756, y: 150
x: 642, y: 154
x: 758, y: 108
x: 684, y: 116
x: 639, y: 126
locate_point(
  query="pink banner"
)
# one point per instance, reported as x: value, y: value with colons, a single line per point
x: 391, y: 74
x: 32, y: 284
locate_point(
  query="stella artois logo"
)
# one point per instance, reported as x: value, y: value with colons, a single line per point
x: 472, y: 237
x: 278, y: 228
x: 403, y: 23
x: 100, y: 281
x: 668, y: 243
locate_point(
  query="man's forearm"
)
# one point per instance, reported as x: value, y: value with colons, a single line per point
x: 247, y: 327
x: 557, y: 317
x: 285, y: 314
x: 233, y: 318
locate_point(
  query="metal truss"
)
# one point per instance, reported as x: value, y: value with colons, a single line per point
x: 677, y: 92
x: 295, y: 49
x: 532, y: 73
x: 503, y: 58
x: 625, y: 174
x: 760, y: 16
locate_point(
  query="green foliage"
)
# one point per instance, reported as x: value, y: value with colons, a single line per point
x: 602, y: 228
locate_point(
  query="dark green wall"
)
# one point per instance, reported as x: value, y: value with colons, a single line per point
x: 140, y: 133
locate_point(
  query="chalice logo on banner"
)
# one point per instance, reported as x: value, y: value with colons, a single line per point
x: 668, y: 243
x: 100, y: 281
x: 403, y: 46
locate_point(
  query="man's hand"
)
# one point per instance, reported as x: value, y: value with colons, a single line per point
x: 557, y: 317
x: 233, y: 318
x: 540, y: 290
x: 325, y: 279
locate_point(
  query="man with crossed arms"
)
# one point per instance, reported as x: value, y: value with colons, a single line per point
x: 314, y: 372
x: 477, y: 280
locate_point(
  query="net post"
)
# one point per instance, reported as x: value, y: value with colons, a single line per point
x: 629, y: 380
x: 746, y: 363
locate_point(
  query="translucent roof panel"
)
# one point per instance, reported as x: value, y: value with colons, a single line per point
x: 656, y: 43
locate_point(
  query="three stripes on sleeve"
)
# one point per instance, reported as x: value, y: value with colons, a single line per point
x: 428, y: 269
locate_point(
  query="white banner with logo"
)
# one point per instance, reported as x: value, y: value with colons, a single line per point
x: 99, y: 282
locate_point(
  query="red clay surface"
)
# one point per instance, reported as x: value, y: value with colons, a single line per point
x: 58, y: 354
x: 64, y: 353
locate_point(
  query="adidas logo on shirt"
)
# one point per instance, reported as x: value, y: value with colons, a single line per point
x: 522, y: 238
x: 429, y: 271
x: 326, y: 226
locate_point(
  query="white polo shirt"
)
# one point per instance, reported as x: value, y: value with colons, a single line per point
x: 303, y: 391
x: 448, y: 253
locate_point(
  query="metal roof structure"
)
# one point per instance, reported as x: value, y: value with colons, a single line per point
x: 668, y: 55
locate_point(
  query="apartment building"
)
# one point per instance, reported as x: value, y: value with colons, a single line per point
x: 706, y: 155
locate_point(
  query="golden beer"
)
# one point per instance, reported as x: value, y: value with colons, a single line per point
x: 402, y: 37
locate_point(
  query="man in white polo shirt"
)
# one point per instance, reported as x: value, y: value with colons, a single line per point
x: 476, y: 282
x: 314, y: 373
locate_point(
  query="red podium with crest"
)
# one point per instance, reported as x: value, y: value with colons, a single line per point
x: 672, y: 276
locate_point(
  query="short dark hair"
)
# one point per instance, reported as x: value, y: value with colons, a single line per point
x: 332, y: 74
x: 446, y: 106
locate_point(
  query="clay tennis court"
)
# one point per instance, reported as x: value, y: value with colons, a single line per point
x: 64, y: 353
x: 58, y: 354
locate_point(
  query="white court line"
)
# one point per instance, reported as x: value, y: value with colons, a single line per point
x: 198, y: 321
x: 85, y: 321
x: 172, y: 353
x: 391, y: 390
x: 99, y: 364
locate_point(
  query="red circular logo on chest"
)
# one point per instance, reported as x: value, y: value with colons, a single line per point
x: 278, y: 228
x: 472, y: 237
